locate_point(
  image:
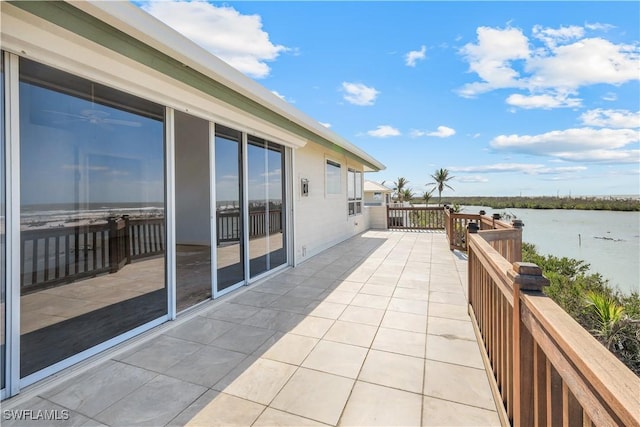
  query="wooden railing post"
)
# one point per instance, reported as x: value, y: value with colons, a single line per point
x: 452, y: 231
x: 526, y: 277
x: 126, y: 239
x: 517, y: 245
x: 114, y: 247
x: 495, y: 217
x: 471, y: 279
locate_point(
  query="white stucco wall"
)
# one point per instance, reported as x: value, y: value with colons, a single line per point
x: 377, y: 216
x: 321, y: 220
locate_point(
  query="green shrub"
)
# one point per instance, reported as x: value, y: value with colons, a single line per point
x: 613, y: 318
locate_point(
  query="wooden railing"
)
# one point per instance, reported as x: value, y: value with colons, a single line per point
x: 546, y: 369
x: 456, y: 227
x: 508, y: 244
x: 415, y: 218
x: 230, y: 225
x: 52, y: 256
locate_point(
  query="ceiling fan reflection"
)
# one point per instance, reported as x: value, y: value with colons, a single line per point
x: 92, y: 116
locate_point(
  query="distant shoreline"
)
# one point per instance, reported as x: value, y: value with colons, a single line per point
x: 600, y: 203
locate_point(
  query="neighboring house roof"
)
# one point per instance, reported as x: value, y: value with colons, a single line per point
x: 371, y: 186
x: 137, y: 28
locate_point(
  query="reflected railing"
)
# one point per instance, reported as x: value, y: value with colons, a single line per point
x: 53, y: 256
x: 230, y: 230
x: 59, y: 255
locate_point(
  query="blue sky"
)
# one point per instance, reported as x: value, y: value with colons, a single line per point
x: 539, y: 98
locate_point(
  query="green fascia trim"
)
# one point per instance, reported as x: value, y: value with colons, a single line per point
x: 73, y: 19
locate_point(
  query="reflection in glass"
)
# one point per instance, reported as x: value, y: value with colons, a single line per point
x: 3, y: 258
x: 266, y: 207
x: 258, y: 197
x: 277, y: 227
x: 92, y: 214
x: 229, y: 243
x: 333, y: 177
x: 193, y: 220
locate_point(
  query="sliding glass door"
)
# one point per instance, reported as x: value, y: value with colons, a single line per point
x: 193, y: 207
x: 92, y: 215
x: 229, y: 208
x: 265, y: 164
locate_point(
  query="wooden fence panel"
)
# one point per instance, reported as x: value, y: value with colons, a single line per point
x: 415, y: 218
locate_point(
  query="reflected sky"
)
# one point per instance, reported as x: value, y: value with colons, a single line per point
x: 74, y: 150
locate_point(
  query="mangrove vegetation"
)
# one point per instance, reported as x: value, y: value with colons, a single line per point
x: 611, y: 316
x: 582, y: 203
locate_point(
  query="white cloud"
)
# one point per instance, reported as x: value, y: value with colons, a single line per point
x: 585, y: 62
x: 491, y: 59
x: 553, y: 36
x: 610, y: 96
x: 579, y: 144
x: 604, y: 156
x: 544, y: 101
x: 359, y: 94
x: 550, y: 67
x: 237, y: 39
x: 279, y: 95
x: 327, y: 125
x: 495, y: 168
x: 441, y: 132
x: 413, y: 56
x: 384, y: 131
x: 526, y: 168
x: 472, y: 179
x: 596, y: 26
x: 611, y: 118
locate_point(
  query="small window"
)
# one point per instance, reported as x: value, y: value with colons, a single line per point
x: 333, y: 177
x: 354, y: 190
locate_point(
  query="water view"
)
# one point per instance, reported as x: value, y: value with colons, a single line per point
x: 608, y: 241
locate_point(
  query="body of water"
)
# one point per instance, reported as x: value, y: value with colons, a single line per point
x: 608, y: 241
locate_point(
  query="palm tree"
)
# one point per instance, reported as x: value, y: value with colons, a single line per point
x: 440, y: 177
x: 426, y: 196
x: 407, y: 194
x: 399, y: 186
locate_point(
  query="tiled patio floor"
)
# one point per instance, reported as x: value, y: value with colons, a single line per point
x: 373, y: 331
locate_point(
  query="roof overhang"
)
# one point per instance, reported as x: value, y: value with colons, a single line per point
x: 133, y: 26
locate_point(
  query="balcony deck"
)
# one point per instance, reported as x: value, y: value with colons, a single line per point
x: 373, y: 331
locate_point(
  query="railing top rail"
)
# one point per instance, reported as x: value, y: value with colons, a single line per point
x: 465, y: 216
x: 498, y: 234
x: 415, y: 208
x: 158, y: 219
x: 61, y: 231
x: 606, y: 375
x: 497, y: 266
x: 498, y: 223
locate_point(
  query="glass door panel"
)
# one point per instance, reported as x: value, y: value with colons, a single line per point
x: 258, y: 206
x: 193, y: 219
x: 92, y: 221
x: 229, y: 223
x: 266, y: 205
x: 276, y: 203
